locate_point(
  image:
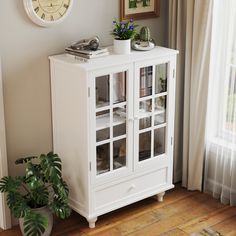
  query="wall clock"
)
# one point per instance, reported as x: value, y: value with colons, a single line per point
x: 47, y: 12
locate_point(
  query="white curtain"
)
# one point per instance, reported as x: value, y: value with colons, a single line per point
x: 220, y: 164
x: 190, y: 24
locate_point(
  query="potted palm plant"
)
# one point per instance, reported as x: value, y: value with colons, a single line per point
x: 37, y: 194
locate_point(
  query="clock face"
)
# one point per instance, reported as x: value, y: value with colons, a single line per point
x: 51, y: 10
x: 47, y: 12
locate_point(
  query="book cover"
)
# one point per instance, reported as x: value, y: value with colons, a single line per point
x: 87, y: 52
x: 87, y: 56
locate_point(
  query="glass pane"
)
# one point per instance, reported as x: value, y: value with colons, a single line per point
x: 161, y: 78
x: 160, y: 118
x: 119, y: 130
x: 102, y: 91
x: 145, y: 122
x: 119, y: 154
x: 103, y: 158
x: 144, y: 146
x: 119, y: 115
x: 159, y: 141
x: 103, y: 134
x: 119, y: 87
x: 103, y: 119
x: 145, y: 106
x: 146, y: 81
x: 160, y: 104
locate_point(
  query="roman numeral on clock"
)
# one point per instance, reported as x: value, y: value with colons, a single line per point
x: 43, y: 16
x: 66, y: 6
x: 52, y: 18
x: 36, y: 9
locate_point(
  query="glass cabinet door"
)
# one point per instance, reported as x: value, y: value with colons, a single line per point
x: 151, y: 107
x: 111, y: 122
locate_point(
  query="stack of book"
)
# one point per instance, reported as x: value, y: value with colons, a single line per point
x: 86, y: 53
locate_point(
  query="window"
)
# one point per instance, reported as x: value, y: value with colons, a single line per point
x: 221, y: 122
x: 230, y: 96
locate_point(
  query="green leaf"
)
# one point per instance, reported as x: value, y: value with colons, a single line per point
x: 60, y: 209
x: 10, y: 184
x: 24, y: 160
x: 35, y: 224
x: 61, y: 191
x: 51, y: 166
x: 40, y: 196
x: 17, y: 204
x: 34, y: 176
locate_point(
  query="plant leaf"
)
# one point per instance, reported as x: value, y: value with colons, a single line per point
x: 51, y: 166
x: 34, y: 176
x: 10, y: 184
x: 17, y: 204
x: 35, y: 224
x: 40, y: 196
x: 24, y: 160
x: 60, y: 209
x: 61, y: 191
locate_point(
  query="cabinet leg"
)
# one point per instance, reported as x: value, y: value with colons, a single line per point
x: 92, y: 222
x: 160, y: 196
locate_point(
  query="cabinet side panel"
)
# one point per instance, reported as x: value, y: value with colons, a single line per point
x: 70, y: 129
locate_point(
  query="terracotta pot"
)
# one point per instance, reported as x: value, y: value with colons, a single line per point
x: 122, y: 46
x: 43, y: 211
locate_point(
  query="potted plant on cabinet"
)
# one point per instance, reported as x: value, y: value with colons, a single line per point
x: 123, y: 32
x: 34, y: 196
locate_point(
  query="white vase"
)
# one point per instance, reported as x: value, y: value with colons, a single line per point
x: 122, y: 46
x: 45, y: 212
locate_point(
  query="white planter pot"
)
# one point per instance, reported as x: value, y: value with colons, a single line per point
x: 122, y: 46
x: 43, y: 211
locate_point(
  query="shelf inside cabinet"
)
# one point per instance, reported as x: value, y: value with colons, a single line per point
x: 102, y: 104
x: 160, y: 94
x: 143, y: 114
x: 103, y: 121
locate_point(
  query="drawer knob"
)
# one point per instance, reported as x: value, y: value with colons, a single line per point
x: 132, y: 186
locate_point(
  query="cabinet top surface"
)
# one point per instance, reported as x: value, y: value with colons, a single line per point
x: 114, y: 59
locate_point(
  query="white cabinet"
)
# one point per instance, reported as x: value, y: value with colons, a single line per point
x: 113, y: 125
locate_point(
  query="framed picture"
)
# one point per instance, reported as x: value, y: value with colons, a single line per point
x: 139, y: 9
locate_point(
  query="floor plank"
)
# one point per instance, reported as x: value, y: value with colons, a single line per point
x: 15, y: 231
x: 182, y: 213
x: 179, y: 213
x: 175, y: 232
x: 226, y: 227
x: 138, y: 209
x: 209, y: 220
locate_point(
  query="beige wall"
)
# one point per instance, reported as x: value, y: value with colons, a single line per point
x: 5, y: 221
x: 25, y: 47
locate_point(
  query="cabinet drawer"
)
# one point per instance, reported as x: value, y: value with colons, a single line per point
x: 140, y: 185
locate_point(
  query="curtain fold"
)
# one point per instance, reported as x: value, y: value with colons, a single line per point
x: 190, y: 24
x: 176, y: 40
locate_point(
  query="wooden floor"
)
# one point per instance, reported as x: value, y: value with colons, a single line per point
x: 182, y: 213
